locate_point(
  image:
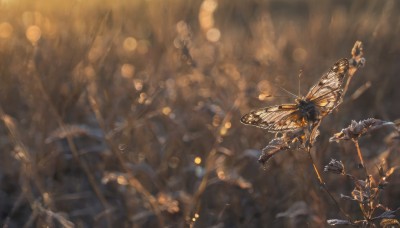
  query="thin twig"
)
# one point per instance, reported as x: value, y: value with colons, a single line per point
x: 355, y: 141
x: 92, y: 180
x: 323, y: 185
x: 133, y: 182
x: 194, y: 212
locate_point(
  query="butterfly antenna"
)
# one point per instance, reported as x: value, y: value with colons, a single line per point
x: 287, y: 91
x: 299, y: 79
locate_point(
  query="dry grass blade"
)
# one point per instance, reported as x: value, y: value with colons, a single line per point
x: 73, y: 131
x: 127, y: 113
x: 129, y: 178
x: 61, y: 218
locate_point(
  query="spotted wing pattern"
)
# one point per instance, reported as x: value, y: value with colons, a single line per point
x: 277, y: 118
x: 327, y: 93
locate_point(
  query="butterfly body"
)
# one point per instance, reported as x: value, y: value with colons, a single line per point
x: 307, y: 110
x: 321, y: 99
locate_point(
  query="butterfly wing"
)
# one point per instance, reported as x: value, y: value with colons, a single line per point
x: 276, y: 118
x: 324, y: 96
x: 327, y: 93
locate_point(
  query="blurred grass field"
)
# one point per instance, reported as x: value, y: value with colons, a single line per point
x: 127, y: 114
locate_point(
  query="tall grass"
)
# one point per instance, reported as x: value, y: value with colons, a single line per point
x: 127, y: 114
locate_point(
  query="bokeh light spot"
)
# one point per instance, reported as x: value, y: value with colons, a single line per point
x: 5, y: 30
x: 213, y: 35
x: 138, y: 84
x: 197, y: 160
x: 142, y: 98
x: 33, y: 33
x: 223, y: 131
x: 122, y: 180
x: 209, y: 5
x: 130, y: 44
x: 263, y: 96
x: 166, y: 110
x: 206, y: 18
x: 216, y: 121
x: 127, y: 70
x: 221, y: 175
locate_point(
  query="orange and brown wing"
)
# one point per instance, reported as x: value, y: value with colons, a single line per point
x: 327, y: 93
x: 276, y: 118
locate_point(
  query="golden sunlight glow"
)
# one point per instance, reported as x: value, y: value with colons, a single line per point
x: 263, y: 96
x: 223, y: 131
x: 122, y: 180
x: 33, y: 33
x: 138, y: 84
x: 130, y: 44
x: 5, y: 30
x: 195, y: 217
x: 127, y: 70
x: 166, y: 110
x: 182, y: 28
x: 221, y: 175
x: 206, y: 17
x: 142, y: 98
x: 213, y: 35
x: 206, y: 20
x: 197, y: 160
x: 216, y: 121
x: 209, y: 5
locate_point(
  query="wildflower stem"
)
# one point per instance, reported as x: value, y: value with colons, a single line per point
x: 355, y: 141
x: 315, y: 169
x: 209, y: 166
x: 323, y: 185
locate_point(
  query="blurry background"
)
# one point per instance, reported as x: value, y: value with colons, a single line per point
x: 127, y: 114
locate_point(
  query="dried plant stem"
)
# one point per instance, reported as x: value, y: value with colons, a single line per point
x: 29, y: 169
x: 357, y: 55
x: 355, y: 141
x: 91, y: 178
x: 323, y: 185
x: 318, y: 175
x: 193, y: 213
x: 202, y: 187
x: 133, y: 182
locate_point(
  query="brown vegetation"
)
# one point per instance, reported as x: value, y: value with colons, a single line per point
x: 127, y: 114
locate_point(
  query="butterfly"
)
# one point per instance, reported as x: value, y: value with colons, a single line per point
x: 320, y: 100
